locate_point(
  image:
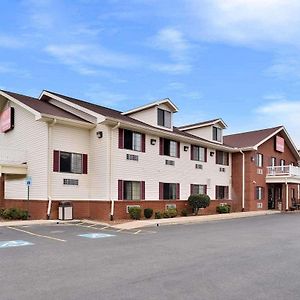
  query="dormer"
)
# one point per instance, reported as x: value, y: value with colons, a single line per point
x: 210, y: 130
x: 158, y: 113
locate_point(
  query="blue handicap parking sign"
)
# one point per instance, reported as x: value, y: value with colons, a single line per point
x: 17, y: 243
x: 96, y: 235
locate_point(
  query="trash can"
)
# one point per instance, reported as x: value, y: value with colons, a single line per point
x: 65, y: 210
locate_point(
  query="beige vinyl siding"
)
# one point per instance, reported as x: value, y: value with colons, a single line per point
x: 152, y: 169
x: 75, y: 140
x: 31, y: 137
x: 99, y: 163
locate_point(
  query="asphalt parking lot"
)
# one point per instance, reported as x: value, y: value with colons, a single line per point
x: 250, y: 258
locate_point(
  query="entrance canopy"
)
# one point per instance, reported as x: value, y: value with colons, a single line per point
x: 13, y: 169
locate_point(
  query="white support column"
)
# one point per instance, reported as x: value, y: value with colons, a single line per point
x: 286, y: 196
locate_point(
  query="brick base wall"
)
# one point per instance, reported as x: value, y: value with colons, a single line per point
x: 100, y: 210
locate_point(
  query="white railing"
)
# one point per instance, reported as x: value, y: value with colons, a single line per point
x: 283, y: 171
x: 12, y: 156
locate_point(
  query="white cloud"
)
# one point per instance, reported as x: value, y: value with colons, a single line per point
x: 172, y: 41
x: 86, y: 59
x: 247, y: 22
x: 283, y: 112
x: 9, y: 68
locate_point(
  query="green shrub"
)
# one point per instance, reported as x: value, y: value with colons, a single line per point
x: 223, y: 209
x: 15, y: 214
x: 135, y: 212
x: 157, y: 215
x: 1, y: 212
x: 184, y: 212
x: 148, y: 213
x: 170, y: 213
x: 198, y: 201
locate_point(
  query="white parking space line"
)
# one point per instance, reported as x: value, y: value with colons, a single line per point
x: 137, y: 232
x: 35, y: 234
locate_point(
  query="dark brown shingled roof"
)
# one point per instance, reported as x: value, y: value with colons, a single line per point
x: 248, y: 139
x: 112, y: 113
x: 199, y: 123
x: 43, y: 107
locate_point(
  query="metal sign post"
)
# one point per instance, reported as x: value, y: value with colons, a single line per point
x: 28, y: 182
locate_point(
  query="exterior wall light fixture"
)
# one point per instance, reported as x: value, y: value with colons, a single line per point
x: 212, y: 153
x: 153, y: 141
x: 185, y: 148
x: 99, y: 134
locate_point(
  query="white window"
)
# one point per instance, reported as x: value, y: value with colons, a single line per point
x: 132, y: 190
x: 70, y: 162
x: 259, y: 160
x: 217, y: 134
x: 163, y: 118
x: 198, y: 153
x: 173, y: 148
x: 199, y: 189
x: 259, y: 193
x: 137, y: 141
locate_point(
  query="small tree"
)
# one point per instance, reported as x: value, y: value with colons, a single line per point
x: 198, y: 201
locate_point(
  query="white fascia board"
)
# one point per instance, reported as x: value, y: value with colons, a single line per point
x: 16, y: 101
x: 187, y: 127
x: 76, y: 106
x: 172, y: 135
x: 156, y: 103
x: 46, y: 117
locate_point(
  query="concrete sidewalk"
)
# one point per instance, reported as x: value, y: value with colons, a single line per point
x: 192, y: 219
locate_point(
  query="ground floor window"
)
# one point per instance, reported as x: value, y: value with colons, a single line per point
x: 222, y: 192
x: 168, y: 191
x: 198, y: 189
x: 131, y: 190
x: 259, y: 191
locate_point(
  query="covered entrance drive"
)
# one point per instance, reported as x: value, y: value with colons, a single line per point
x: 283, y: 184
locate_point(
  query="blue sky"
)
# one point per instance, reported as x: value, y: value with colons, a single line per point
x: 235, y: 59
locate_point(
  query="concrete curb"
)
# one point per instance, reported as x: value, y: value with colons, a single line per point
x: 192, y: 219
x: 32, y: 222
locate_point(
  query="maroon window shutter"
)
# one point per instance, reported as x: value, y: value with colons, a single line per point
x: 84, y: 163
x: 192, y: 189
x: 205, y: 155
x: 142, y: 190
x: 205, y: 189
x: 120, y: 189
x: 161, y: 191
x: 55, y: 161
x: 178, y: 149
x: 143, y: 143
x: 192, y: 152
x: 161, y: 146
x: 177, y: 191
x: 121, y: 138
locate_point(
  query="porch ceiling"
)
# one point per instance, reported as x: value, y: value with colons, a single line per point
x: 283, y: 179
x: 15, y: 169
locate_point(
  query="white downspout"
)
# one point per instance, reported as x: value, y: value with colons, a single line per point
x: 50, y: 125
x: 243, y: 180
x: 112, y: 207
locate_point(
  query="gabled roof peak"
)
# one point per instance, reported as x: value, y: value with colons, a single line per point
x: 151, y: 104
x: 203, y: 124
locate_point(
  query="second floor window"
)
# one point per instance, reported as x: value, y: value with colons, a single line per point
x: 217, y: 134
x: 67, y: 162
x: 131, y: 140
x: 222, y: 158
x: 169, y: 147
x: 259, y: 160
x: 273, y: 161
x: 163, y: 118
x: 198, y: 153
